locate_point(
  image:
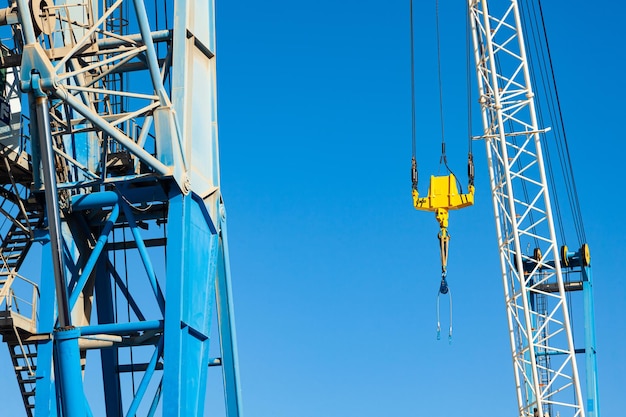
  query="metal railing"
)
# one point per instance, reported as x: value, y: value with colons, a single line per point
x: 21, y: 296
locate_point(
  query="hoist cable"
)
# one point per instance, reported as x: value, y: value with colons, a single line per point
x: 414, y: 174
x: 572, y: 191
x: 551, y: 97
x: 468, y: 79
x: 443, y: 136
x: 561, y: 144
x: 468, y: 89
x: 412, y: 82
x: 537, y: 65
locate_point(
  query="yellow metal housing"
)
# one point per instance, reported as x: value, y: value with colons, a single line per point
x: 443, y: 195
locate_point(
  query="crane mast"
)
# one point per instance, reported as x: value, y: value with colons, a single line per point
x: 118, y: 182
x: 540, y: 332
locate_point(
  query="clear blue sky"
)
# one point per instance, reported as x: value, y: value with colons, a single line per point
x: 335, y: 274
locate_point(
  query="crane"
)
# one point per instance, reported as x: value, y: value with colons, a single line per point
x: 536, y: 282
x: 110, y: 181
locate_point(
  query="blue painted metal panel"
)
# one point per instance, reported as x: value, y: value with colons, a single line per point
x: 45, y: 405
x: 226, y: 323
x: 191, y: 271
x: 591, y: 365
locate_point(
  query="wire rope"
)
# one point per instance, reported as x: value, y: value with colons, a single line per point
x: 412, y: 43
x: 468, y: 89
x: 537, y: 65
x: 543, y: 61
x: 569, y: 172
x: 440, y: 83
x: 468, y: 79
x: 414, y: 174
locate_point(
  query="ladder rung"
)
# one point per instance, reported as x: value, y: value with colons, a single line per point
x: 13, y: 246
x: 25, y: 368
x: 17, y: 238
x: 21, y: 355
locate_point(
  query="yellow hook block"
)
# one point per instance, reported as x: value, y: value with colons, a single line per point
x: 443, y: 195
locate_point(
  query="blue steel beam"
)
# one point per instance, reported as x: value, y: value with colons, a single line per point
x: 110, y: 357
x: 45, y: 398
x: 226, y: 323
x: 593, y: 404
x: 70, y: 377
x: 191, y: 274
x: 145, y: 257
x: 145, y: 381
x: 52, y: 199
x: 94, y: 256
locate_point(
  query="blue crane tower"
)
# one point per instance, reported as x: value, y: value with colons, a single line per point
x: 110, y: 177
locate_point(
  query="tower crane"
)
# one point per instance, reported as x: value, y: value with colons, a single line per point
x: 537, y: 281
x: 110, y: 180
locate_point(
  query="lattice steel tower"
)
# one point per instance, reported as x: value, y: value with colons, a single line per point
x: 110, y: 165
x: 534, y: 267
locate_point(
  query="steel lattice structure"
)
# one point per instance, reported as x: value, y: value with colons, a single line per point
x: 543, y: 353
x: 119, y: 182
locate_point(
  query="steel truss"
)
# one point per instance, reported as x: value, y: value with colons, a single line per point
x: 543, y: 353
x: 125, y: 170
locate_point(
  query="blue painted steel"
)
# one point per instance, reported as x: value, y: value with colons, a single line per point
x: 45, y: 398
x: 52, y: 203
x: 156, y: 399
x: 101, y: 123
x: 94, y: 200
x: 110, y: 357
x: 191, y: 273
x: 27, y: 24
x: 124, y: 290
x: 95, y: 256
x: 122, y: 328
x: 226, y: 323
x: 145, y: 257
x: 160, y: 35
x: 70, y: 376
x: 593, y: 404
x: 146, y: 35
x: 147, y: 376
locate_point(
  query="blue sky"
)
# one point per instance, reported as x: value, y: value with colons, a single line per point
x: 335, y: 275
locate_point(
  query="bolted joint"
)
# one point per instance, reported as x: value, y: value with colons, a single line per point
x: 37, y: 74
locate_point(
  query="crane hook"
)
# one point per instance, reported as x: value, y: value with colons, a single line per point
x: 444, y: 241
x: 443, y: 289
x: 443, y: 196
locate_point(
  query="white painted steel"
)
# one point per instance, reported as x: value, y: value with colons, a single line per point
x: 543, y: 355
